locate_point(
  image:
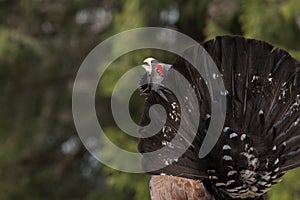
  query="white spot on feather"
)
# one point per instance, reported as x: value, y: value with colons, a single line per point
x: 225, y: 129
x: 226, y: 147
x: 229, y: 182
x: 224, y: 93
x: 243, y: 137
x: 214, y: 75
x: 174, y: 105
x: 274, y: 177
x: 261, y: 182
x: 231, y: 190
x: 220, y: 184
x: 284, y: 143
x: 254, y: 78
x: 230, y: 173
x: 167, y: 162
x: 213, y: 177
x: 226, y: 157
x: 233, y: 135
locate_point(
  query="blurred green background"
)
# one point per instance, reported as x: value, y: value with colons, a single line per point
x: 42, y: 44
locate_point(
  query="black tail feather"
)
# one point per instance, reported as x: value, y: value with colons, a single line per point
x: 263, y: 102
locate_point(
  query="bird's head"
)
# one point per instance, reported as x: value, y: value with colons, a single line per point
x: 154, y: 67
x: 155, y: 74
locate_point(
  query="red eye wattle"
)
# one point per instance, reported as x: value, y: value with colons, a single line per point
x: 159, y: 70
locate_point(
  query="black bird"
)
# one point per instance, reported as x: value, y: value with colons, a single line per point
x: 260, y: 140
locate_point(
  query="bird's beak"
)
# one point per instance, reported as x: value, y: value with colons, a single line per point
x: 147, y: 68
x: 148, y: 61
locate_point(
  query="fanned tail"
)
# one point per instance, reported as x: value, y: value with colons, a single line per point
x: 261, y: 136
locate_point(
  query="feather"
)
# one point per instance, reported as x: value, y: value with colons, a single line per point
x: 260, y: 139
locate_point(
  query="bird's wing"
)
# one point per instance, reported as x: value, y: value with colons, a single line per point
x: 165, y: 187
